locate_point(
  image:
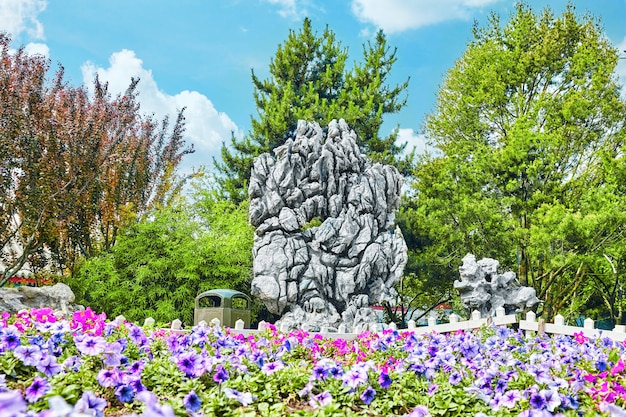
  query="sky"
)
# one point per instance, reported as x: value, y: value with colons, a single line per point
x: 199, y: 54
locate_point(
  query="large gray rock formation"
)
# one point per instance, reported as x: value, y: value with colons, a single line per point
x: 325, y: 249
x: 58, y: 297
x: 483, y: 288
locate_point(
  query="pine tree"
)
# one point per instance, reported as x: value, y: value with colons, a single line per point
x: 309, y: 81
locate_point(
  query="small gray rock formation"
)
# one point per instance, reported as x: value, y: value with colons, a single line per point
x: 58, y: 297
x: 324, y: 247
x: 482, y: 288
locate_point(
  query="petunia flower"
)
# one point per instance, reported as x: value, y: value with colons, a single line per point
x: 221, y: 374
x: 419, y: 411
x: 190, y: 363
x: 12, y: 403
x: 37, y: 389
x: 90, y: 345
x: 125, y: 393
x: 245, y: 398
x: 30, y: 355
x: 192, y: 402
x: 537, y: 401
x: 368, y: 395
x: 354, y: 378
x: 49, y: 365
x: 321, y: 399
x: 90, y: 404
x: 270, y: 367
x: 108, y: 377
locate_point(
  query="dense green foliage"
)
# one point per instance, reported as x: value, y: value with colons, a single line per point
x: 160, y: 264
x: 529, y: 132
x: 309, y: 80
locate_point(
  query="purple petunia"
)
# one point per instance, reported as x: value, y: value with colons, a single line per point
x: 245, y: 398
x: 321, y: 399
x: 11, y: 403
x: 90, y: 404
x: 192, y: 402
x: 108, y: 377
x: 90, y: 345
x: 125, y: 393
x: 221, y: 374
x: 270, y: 367
x: 191, y: 364
x: 355, y: 377
x: 49, y: 365
x: 537, y: 401
x: 37, y: 389
x: 30, y: 355
x: 368, y: 395
x: 384, y: 380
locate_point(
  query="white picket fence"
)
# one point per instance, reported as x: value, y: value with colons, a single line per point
x: 530, y: 324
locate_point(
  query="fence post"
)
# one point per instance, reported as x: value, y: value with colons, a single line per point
x: 262, y: 325
x: 411, y: 325
x: 475, y: 315
x: 177, y: 325
x: 532, y: 317
x: 215, y: 322
x: 148, y: 322
x: 239, y: 324
x: 589, y: 324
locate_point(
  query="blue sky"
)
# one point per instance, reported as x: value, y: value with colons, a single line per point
x: 199, y: 53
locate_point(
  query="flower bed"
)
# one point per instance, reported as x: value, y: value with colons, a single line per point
x: 90, y: 366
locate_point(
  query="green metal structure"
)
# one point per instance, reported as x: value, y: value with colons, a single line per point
x: 226, y: 305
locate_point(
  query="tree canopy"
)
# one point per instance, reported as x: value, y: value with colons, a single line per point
x: 528, y: 132
x: 309, y: 80
x: 160, y: 264
x: 74, y: 168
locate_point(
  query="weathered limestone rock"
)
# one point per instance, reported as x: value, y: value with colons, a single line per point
x: 482, y: 288
x: 58, y: 297
x: 325, y: 249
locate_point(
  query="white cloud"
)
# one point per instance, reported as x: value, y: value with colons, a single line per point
x: 206, y: 127
x: 37, y: 49
x: 288, y: 8
x: 17, y: 16
x: 400, y: 15
x: 412, y: 139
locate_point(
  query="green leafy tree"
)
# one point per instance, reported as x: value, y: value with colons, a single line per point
x: 309, y: 80
x: 160, y: 264
x: 528, y: 128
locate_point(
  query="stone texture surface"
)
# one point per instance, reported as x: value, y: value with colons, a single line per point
x: 325, y: 249
x: 59, y: 297
x: 483, y: 288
